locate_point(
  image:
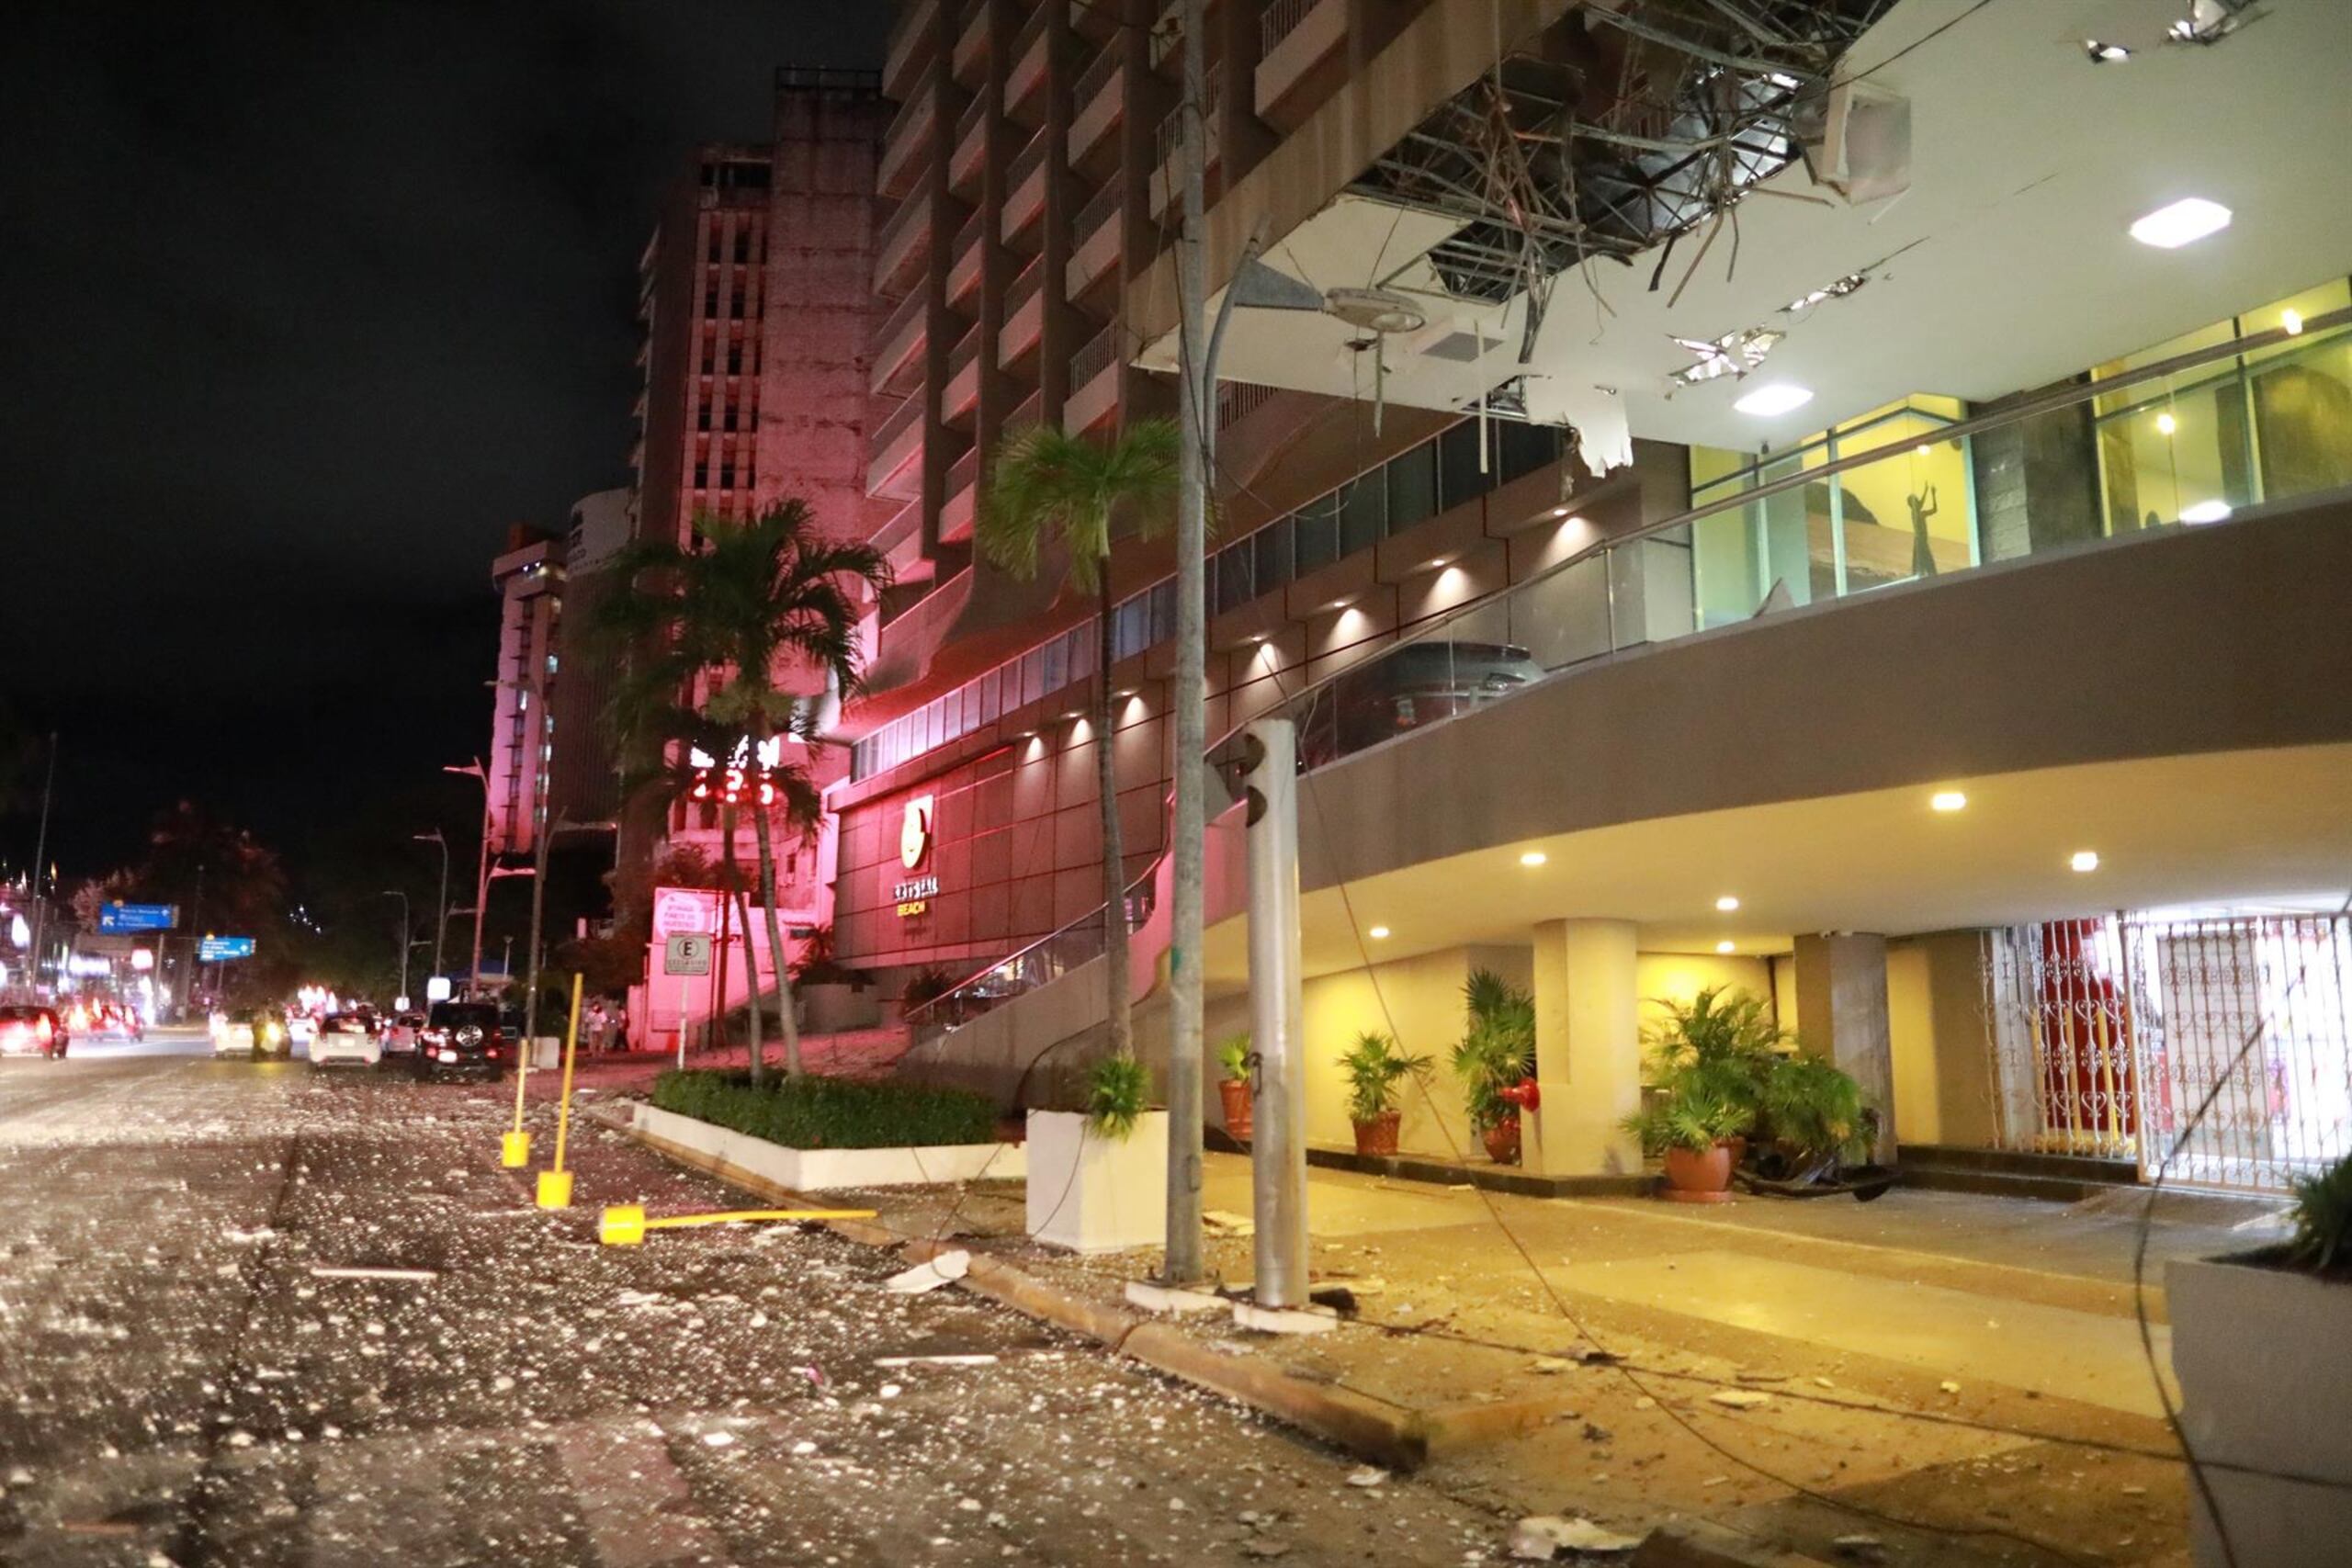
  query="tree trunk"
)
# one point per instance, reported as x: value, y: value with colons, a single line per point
x: 1183, y: 1262
x: 715, y: 1027
x: 752, y: 974
x: 730, y: 882
x: 1114, y: 859
x: 788, y: 1025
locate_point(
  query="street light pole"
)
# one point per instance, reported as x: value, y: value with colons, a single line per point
x: 475, y: 771
x: 441, y: 932
x: 396, y: 892
x: 40, y: 858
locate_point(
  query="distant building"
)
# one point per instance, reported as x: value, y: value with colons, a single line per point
x: 529, y: 576
x: 582, y: 772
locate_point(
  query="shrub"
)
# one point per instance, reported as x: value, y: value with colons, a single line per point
x: 1497, y: 1050
x: 927, y: 986
x: 810, y: 1113
x: 1375, y: 1067
x: 1118, y: 1092
x: 1233, y: 1057
x: 2323, y: 1218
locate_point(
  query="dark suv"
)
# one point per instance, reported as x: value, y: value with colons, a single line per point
x: 462, y: 1040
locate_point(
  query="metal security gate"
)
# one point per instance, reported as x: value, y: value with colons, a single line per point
x: 2105, y: 1035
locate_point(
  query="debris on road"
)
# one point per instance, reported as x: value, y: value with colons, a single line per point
x: 1367, y: 1475
x: 1739, y: 1398
x: 1539, y: 1537
x: 418, y: 1276
x: 930, y: 1275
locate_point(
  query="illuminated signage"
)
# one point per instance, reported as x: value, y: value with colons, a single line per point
x: 138, y: 917
x: 914, y: 832
x: 222, y: 949
x: 914, y: 895
x: 678, y: 911
x: 745, y: 771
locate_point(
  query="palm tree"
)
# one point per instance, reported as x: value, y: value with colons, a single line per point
x: 1050, y: 487
x: 714, y: 628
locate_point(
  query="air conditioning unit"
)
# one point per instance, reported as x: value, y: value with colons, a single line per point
x: 1857, y: 140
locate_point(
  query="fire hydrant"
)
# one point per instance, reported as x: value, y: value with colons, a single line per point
x: 1526, y: 1094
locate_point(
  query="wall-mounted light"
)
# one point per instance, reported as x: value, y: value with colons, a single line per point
x: 2206, y: 512
x: 2292, y: 321
x: 1722, y: 947
x: 1947, y: 800
x: 1728, y: 903
x: 2166, y: 424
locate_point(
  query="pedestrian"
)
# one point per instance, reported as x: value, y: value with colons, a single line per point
x: 620, y: 1030
x: 597, y: 1024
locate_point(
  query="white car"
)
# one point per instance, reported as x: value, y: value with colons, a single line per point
x: 399, y: 1037
x: 301, y: 1028
x: 347, y: 1037
x: 258, y: 1033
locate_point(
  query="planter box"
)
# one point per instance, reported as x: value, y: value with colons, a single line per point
x: 2264, y: 1357
x: 815, y: 1170
x: 1090, y: 1194
x: 830, y: 1008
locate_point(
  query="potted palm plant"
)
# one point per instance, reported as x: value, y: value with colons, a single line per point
x: 1098, y: 1177
x: 1708, y: 1062
x: 1495, y: 1052
x: 1811, y: 1124
x: 1377, y: 1067
x: 1233, y: 1086
x: 2257, y: 1337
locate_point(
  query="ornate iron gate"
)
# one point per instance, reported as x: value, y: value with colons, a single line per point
x: 2105, y: 1035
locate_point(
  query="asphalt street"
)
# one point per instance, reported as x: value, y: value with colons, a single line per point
x: 192, y: 1373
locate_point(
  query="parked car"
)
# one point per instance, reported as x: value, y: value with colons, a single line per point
x: 462, y: 1040
x: 347, y: 1037
x: 258, y: 1033
x: 1419, y: 683
x: 301, y: 1027
x: 28, y: 1030
x: 399, y: 1036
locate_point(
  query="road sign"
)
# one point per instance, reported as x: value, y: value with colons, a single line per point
x: 688, y: 954
x: 138, y: 917
x: 221, y: 949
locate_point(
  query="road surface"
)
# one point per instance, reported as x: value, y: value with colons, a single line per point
x: 188, y: 1377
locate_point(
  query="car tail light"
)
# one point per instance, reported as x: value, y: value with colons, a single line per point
x: 46, y: 1030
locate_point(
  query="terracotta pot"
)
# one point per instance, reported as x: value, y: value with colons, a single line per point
x: 1502, y: 1141
x: 1236, y: 1106
x: 1696, y: 1177
x: 1378, y: 1137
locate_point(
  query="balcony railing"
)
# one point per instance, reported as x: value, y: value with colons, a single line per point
x: 1101, y: 351
x: 1032, y: 157
x: 963, y: 472
x: 1569, y: 613
x: 1280, y: 19
x: 1104, y: 65
x: 1238, y: 400
x: 1030, y: 412
x: 1098, y: 206
x: 887, y: 433
x: 1172, y: 127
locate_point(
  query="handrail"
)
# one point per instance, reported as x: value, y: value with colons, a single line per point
x: 1090, y: 81
x: 1280, y: 19
x: 1096, y: 356
x: 2027, y: 408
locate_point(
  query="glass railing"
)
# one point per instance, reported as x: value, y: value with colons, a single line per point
x: 1829, y: 528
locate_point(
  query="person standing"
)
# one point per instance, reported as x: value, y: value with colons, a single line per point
x: 598, y: 1023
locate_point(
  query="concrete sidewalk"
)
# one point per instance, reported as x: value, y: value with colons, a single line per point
x: 1967, y: 1370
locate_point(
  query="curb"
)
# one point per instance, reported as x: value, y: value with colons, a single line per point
x: 1371, y: 1429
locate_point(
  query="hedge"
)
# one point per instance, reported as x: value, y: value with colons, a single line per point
x: 810, y: 1112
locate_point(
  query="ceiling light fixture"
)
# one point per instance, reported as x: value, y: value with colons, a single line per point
x: 1559, y: 512
x: 2104, y: 53
x: 1532, y: 857
x: 1436, y: 561
x: 1947, y: 800
x: 1728, y: 903
x: 2292, y: 321
x: 2166, y: 424
x: 2206, y: 512
x: 2183, y: 223
x: 1378, y: 934
x: 1722, y: 947
x: 1774, y: 398
x: 2083, y: 859
x: 1340, y: 603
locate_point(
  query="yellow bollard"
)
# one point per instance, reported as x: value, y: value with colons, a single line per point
x: 513, y: 1150
x: 555, y: 1185
x: 554, y: 1189
x: 623, y: 1226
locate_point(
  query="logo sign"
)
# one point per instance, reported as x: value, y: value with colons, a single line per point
x: 221, y: 949
x: 914, y: 833
x: 679, y: 909
x: 688, y: 954
x: 915, y: 895
x: 747, y: 770
x: 138, y: 917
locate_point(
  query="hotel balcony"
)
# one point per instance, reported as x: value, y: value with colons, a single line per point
x: 897, y: 357
x: 969, y: 253
x: 910, y: 45
x: 1025, y: 315
x: 1166, y: 190
x: 967, y: 162
x: 1096, y: 239
x: 908, y: 139
x: 901, y: 541
x: 899, y: 249
x: 1024, y: 83
x: 962, y: 497
x: 972, y: 44
x: 1097, y: 104
x: 961, y: 397
x: 895, y: 468
x: 1024, y: 186
x: 1302, y: 57
x: 1093, y: 382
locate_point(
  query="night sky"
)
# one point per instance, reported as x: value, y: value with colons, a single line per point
x: 301, y: 307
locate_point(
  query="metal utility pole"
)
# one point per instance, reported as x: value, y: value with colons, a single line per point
x: 40, y: 860
x: 1184, y: 1262
x: 1277, y: 1014
x: 405, y: 944
x: 481, y: 876
x: 441, y: 932
x: 547, y: 831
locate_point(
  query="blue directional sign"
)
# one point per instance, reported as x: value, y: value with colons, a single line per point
x: 219, y: 949
x: 138, y: 917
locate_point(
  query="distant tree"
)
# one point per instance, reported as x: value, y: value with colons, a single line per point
x: 1053, y: 493
x: 710, y: 633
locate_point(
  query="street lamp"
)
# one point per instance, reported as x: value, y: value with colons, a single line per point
x: 475, y: 771
x: 441, y: 934
x: 538, y: 898
x: 405, y: 944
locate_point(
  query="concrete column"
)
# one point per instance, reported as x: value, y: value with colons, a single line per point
x: 1841, y: 1012
x: 1588, y: 1049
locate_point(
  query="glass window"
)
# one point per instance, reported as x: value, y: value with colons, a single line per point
x: 1055, y: 655
x: 1163, y: 611
x: 1236, y: 575
x: 1412, y: 487
x: 1131, y: 628
x: 986, y: 686
x: 1362, y: 507
x: 1524, y: 448
x: 1314, y: 534
x: 1272, y: 548
x: 1083, y: 643
x: 1458, y: 478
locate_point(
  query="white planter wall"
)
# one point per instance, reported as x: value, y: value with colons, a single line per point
x: 1091, y: 1194
x: 2264, y: 1357
x: 814, y: 1170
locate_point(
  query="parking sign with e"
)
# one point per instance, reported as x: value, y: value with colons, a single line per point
x: 687, y: 953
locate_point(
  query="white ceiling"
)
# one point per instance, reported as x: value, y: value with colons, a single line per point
x: 2010, y: 265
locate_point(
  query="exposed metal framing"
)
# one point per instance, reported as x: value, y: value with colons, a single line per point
x: 1614, y: 131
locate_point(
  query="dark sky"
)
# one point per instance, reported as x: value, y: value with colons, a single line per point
x: 300, y: 306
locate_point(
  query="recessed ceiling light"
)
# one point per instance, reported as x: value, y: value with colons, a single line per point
x: 1722, y: 947
x: 2292, y: 321
x: 2166, y: 424
x: 2083, y: 859
x: 1338, y: 603
x: 1728, y: 903
x: 1437, y: 560
x: 1378, y: 934
x: 1947, y: 800
x: 2205, y: 511
x: 1532, y: 857
x: 2104, y: 53
x: 1559, y: 512
x: 1776, y: 397
x: 2184, y: 222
